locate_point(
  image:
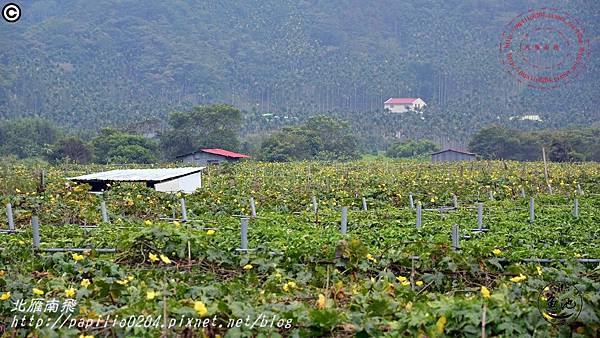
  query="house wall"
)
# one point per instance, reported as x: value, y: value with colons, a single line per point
x: 187, y: 184
x: 204, y: 159
x: 397, y: 108
x: 419, y: 104
x: 450, y: 156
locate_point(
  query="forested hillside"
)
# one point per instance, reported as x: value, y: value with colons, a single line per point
x: 88, y: 64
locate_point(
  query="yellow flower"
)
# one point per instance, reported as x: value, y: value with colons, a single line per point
x: 405, y: 283
x: 177, y: 224
x: 371, y: 258
x: 441, y: 324
x: 518, y: 279
x: 130, y: 278
x: 150, y: 294
x: 37, y: 291
x: 247, y: 267
x: 70, y: 292
x: 497, y: 252
x: 321, y: 302
x: 419, y: 283
x: 2, y: 273
x: 85, y: 283
x: 153, y: 258
x: 288, y: 286
x: 84, y: 336
x: 123, y: 282
x: 148, y: 222
x: 165, y: 259
x: 485, y: 292
x: 77, y: 257
x: 539, y: 270
x: 577, y: 255
x: 547, y: 316
x: 401, y: 279
x: 200, y: 308
x: 5, y: 296
x: 210, y: 232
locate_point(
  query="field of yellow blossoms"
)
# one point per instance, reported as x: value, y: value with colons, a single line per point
x: 302, y: 277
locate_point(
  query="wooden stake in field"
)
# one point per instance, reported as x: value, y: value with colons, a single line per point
x: 546, y: 170
x: 454, y: 201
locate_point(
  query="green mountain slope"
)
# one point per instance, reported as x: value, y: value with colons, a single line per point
x: 86, y: 63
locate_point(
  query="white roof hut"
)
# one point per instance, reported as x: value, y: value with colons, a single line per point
x: 168, y: 180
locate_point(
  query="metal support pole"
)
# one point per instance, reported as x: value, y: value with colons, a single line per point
x: 531, y: 210
x: 480, y: 215
x: 315, y: 205
x: 9, y: 215
x: 244, y: 233
x: 252, y: 207
x: 455, y: 238
x: 35, y: 225
x: 183, y: 211
x: 364, y: 203
x: 455, y: 201
x: 576, y: 209
x: 412, y: 202
x: 419, y: 215
x: 344, y: 220
x: 104, y: 212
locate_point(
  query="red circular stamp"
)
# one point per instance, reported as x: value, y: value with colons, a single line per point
x: 544, y: 48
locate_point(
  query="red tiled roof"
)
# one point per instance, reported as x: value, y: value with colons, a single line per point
x: 223, y: 152
x: 403, y: 100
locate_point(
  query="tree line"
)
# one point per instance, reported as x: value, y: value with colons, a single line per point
x: 317, y: 137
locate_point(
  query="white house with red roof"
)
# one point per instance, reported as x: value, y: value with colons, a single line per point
x: 401, y: 105
x: 211, y: 156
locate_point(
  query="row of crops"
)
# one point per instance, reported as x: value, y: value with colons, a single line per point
x: 302, y: 276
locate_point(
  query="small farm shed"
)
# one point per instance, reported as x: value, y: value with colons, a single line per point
x: 211, y: 156
x: 168, y: 180
x: 451, y: 155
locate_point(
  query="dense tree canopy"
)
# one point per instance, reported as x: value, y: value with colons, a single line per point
x: 411, y: 148
x: 212, y: 126
x: 564, y: 145
x: 321, y: 138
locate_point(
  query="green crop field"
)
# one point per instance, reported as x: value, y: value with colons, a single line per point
x: 300, y: 275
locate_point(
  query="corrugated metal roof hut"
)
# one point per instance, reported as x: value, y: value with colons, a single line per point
x: 211, y: 156
x: 452, y: 155
x: 168, y: 179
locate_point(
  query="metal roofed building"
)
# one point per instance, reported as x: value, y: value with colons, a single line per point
x: 167, y: 180
x: 211, y: 156
x: 452, y: 155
